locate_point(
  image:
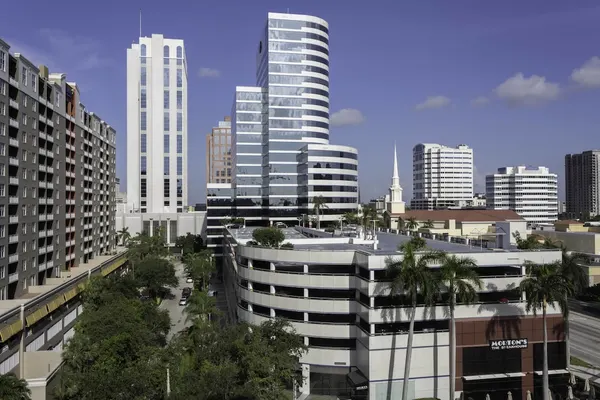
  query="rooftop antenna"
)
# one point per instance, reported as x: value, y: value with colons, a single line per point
x: 140, y: 22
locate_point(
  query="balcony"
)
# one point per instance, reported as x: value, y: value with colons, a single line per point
x: 49, y: 232
x: 42, y: 168
x: 13, y: 277
x: 42, y: 152
x: 49, y: 201
x: 13, y: 180
x: 13, y: 161
x: 50, y: 123
x: 14, y: 123
x: 13, y: 200
x: 70, y: 229
x: 49, y: 248
x: 42, y: 200
x: 13, y: 258
x: 13, y: 104
x: 42, y: 217
x: 13, y: 142
x: 87, y: 226
x: 70, y: 201
x: 42, y: 135
x: 70, y: 160
x: 42, y: 250
x: 42, y: 118
x: 13, y: 219
x: 50, y: 105
x: 42, y: 267
x: 43, y: 184
x: 50, y: 154
x: 42, y: 100
x: 42, y: 234
x: 50, y: 170
x: 50, y: 139
x: 50, y: 264
x: 50, y: 217
x: 13, y: 81
x: 13, y: 239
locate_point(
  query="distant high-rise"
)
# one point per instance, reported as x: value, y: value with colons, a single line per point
x: 442, y: 176
x: 218, y: 153
x: 530, y: 192
x: 582, y: 184
x: 157, y: 125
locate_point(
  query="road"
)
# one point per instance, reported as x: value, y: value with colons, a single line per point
x: 176, y: 313
x: 585, y: 337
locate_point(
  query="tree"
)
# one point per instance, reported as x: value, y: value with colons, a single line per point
x: 190, y: 243
x: 156, y: 274
x: 545, y: 285
x: 412, y: 224
x: 142, y: 246
x: 459, y: 277
x: 200, y: 266
x: 411, y: 277
x: 428, y: 224
x: 351, y: 218
x: 530, y: 243
x: 369, y: 213
x: 319, y: 204
x: 124, y: 235
x: 268, y: 237
x: 401, y: 224
x: 200, y: 307
x: 13, y: 388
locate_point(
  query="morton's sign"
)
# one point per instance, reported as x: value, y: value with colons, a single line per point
x: 508, y: 344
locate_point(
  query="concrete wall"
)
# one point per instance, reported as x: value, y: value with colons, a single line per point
x: 583, y: 242
x: 191, y: 222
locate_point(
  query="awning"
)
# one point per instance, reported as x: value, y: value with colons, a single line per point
x: 493, y: 376
x: 357, y: 380
x: 553, y: 372
x: 71, y: 293
x: 10, y: 330
x: 36, y: 315
x: 56, y: 302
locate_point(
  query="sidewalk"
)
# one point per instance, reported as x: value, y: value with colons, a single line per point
x: 586, y: 373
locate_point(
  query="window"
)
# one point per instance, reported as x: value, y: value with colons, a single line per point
x: 2, y: 108
x: 143, y: 50
x: 166, y: 99
x: 166, y: 143
x: 179, y: 165
x: 2, y: 210
x: 179, y: 100
x: 166, y: 51
x: 179, y: 77
x: 143, y: 142
x: 143, y: 98
x: 166, y: 165
x: 143, y: 120
x: 143, y: 165
x: 24, y: 136
x: 143, y: 77
x: 24, y: 210
x: 2, y: 61
x: 2, y: 190
x: 33, y: 82
x: 179, y: 122
x: 179, y: 55
x: 24, y: 119
x: 2, y: 149
x: 24, y: 155
x: 166, y: 122
x: 166, y: 77
x: 2, y: 231
x: 24, y: 74
x: 24, y: 173
x: 2, y: 87
x: 2, y: 255
x: 25, y: 100
x: 179, y: 144
x: 2, y: 129
x: 2, y: 169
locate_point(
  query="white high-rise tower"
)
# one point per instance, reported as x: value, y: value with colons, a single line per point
x: 156, y: 125
x: 395, y: 205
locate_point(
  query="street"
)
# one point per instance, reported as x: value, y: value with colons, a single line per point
x: 585, y: 337
x: 176, y: 313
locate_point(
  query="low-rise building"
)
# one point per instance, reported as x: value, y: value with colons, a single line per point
x: 170, y: 225
x: 335, y: 294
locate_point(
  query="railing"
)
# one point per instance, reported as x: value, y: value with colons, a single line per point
x: 297, y: 320
x: 296, y: 273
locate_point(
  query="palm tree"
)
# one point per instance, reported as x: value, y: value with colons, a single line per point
x: 428, y: 224
x: 412, y: 224
x: 13, y: 388
x: 401, y: 224
x: 411, y: 277
x: 459, y: 277
x: 319, y: 203
x: 545, y: 285
x: 200, y: 307
x: 124, y: 235
x: 200, y: 266
x: 529, y: 243
x: 572, y: 270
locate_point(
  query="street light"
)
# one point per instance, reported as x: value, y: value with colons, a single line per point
x: 373, y: 221
x: 303, y: 215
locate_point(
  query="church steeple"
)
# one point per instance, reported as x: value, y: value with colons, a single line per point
x: 395, y: 204
x: 395, y: 176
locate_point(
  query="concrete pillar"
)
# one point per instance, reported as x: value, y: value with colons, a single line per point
x: 305, y: 292
x: 168, y: 231
x: 151, y: 227
x: 272, y: 312
x: 305, y: 317
x: 250, y: 288
x: 305, y: 388
x: 272, y: 289
x: 305, y: 269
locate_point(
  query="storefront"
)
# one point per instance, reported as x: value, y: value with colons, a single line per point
x: 359, y: 385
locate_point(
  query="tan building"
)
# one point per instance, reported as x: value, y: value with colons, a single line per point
x: 218, y: 153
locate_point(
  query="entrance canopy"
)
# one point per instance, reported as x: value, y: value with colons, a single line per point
x: 357, y: 380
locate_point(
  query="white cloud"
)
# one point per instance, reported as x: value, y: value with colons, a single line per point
x: 589, y: 73
x: 520, y: 90
x: 209, y: 73
x: 480, y: 101
x: 433, y: 102
x: 347, y: 116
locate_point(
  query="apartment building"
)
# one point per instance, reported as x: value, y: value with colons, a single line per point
x: 57, y: 173
x: 582, y: 184
x: 218, y: 153
x: 532, y: 192
x: 442, y: 176
x: 157, y: 125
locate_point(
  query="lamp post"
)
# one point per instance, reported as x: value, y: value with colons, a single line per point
x: 303, y: 215
x: 373, y: 221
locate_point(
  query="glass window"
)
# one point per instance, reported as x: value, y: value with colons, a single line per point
x: 167, y: 143
x: 179, y: 52
x: 179, y: 144
x: 166, y: 165
x: 179, y: 165
x: 143, y: 165
x: 143, y: 76
x: 166, y: 51
x: 143, y: 98
x: 179, y: 122
x: 179, y: 100
x: 143, y: 143
x: 143, y: 120
x: 166, y: 122
x: 166, y: 76
x: 179, y: 77
x: 143, y: 50
x: 166, y: 99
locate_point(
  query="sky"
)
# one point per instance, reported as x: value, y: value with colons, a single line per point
x: 517, y: 81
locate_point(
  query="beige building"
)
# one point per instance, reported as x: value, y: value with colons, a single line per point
x: 218, y: 153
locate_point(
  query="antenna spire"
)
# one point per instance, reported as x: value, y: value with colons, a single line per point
x: 140, y: 22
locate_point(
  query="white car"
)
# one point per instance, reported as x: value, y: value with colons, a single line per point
x: 183, y: 302
x: 189, y: 280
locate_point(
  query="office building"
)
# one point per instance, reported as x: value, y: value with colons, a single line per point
x: 335, y: 294
x: 532, y: 192
x: 57, y: 174
x: 582, y: 184
x: 218, y: 153
x: 156, y: 125
x: 442, y: 176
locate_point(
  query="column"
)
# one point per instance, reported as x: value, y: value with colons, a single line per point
x: 305, y: 388
x: 168, y: 231
x: 151, y: 227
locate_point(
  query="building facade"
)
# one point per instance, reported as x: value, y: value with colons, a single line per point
x: 57, y: 174
x: 157, y: 125
x: 582, y: 184
x: 281, y: 155
x: 532, y: 192
x: 218, y: 153
x: 334, y: 293
x: 442, y: 176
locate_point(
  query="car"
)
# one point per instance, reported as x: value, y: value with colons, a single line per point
x: 186, y: 292
x: 189, y: 280
x: 183, y: 301
x: 212, y: 293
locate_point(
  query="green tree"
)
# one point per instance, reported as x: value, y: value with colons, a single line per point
x: 458, y: 276
x: 545, y: 285
x: 411, y: 278
x: 319, y: 204
x: 401, y: 224
x: 124, y: 235
x: 269, y: 237
x: 13, y: 388
x: 351, y: 218
x: 157, y: 275
x: 200, y: 266
x: 190, y: 243
x: 530, y: 243
x: 142, y: 246
x: 200, y: 307
x: 369, y: 213
x: 412, y: 224
x: 428, y: 224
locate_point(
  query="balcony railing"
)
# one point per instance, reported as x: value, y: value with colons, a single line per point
x: 13, y: 277
x: 13, y: 238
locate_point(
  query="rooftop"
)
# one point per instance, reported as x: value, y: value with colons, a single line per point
x: 469, y: 215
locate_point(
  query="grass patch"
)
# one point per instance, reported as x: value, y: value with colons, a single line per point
x: 580, y: 363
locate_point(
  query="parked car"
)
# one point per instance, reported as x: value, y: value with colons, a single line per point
x: 186, y: 292
x: 183, y: 301
x: 189, y: 279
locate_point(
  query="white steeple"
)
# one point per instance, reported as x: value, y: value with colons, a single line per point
x: 395, y: 204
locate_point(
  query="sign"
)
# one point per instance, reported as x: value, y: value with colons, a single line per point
x: 508, y: 344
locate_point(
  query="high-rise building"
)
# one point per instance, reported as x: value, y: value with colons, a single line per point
x: 532, y: 192
x: 57, y: 174
x: 218, y: 153
x: 156, y: 125
x: 442, y: 176
x: 582, y: 183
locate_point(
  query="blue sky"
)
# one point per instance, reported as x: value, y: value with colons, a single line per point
x: 515, y: 80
